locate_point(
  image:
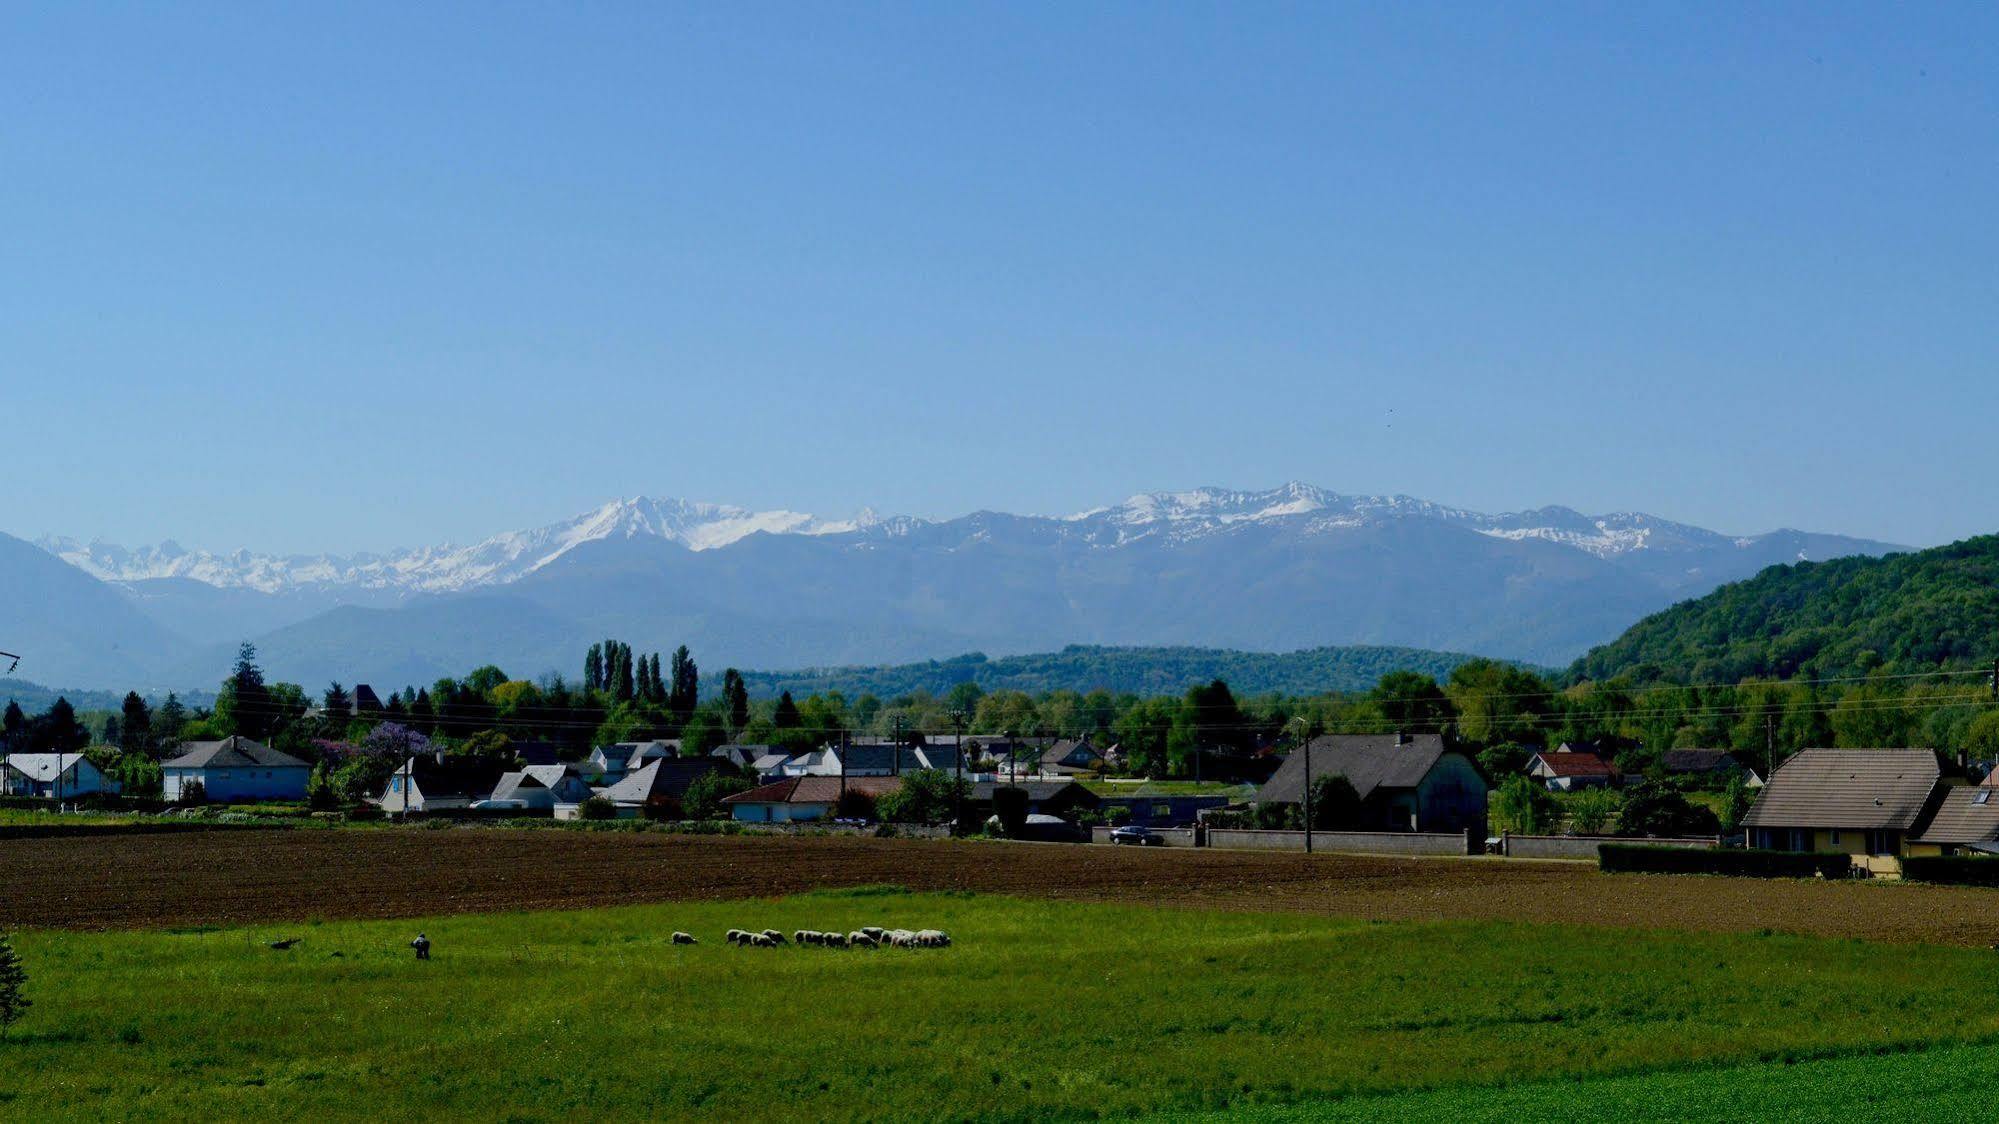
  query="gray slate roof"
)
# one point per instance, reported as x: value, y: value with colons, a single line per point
x: 1367, y: 761
x: 1037, y: 791
x: 661, y: 777
x: 41, y: 767
x: 1962, y: 819
x: 233, y: 753
x: 1697, y: 760
x: 1868, y: 789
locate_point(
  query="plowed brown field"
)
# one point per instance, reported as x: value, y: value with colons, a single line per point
x: 237, y: 877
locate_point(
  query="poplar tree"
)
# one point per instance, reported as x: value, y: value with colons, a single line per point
x: 135, y: 725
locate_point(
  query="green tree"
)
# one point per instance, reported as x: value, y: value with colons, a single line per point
x: 1522, y: 805
x: 926, y: 796
x: 703, y: 800
x: 593, y: 668
x: 703, y: 732
x: 1592, y: 810
x: 169, y: 719
x: 736, y: 697
x: 1657, y: 810
x: 1736, y: 800
x: 685, y: 688
x: 244, y: 706
x: 135, y: 725
x: 964, y: 697
x: 321, y: 794
x: 13, y: 977
x: 1498, y: 702
x: 1412, y: 702
x: 57, y: 729
x: 14, y: 727
x: 785, y: 716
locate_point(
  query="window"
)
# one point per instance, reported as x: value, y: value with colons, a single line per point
x: 1835, y: 837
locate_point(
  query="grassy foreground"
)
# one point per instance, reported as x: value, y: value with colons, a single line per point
x: 1040, y: 1010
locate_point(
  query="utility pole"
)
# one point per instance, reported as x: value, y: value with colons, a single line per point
x: 1305, y: 736
x: 895, y: 749
x: 958, y: 788
x: 1769, y: 744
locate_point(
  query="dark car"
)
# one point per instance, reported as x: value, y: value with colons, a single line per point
x: 1135, y: 835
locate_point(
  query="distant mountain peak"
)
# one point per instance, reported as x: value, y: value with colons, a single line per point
x: 1295, y: 507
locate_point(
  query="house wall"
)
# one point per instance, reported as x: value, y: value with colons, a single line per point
x: 1452, y: 797
x: 778, y: 813
x: 244, y: 784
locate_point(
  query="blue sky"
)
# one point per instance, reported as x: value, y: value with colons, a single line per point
x: 348, y: 277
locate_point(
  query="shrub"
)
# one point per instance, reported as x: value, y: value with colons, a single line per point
x: 1653, y: 809
x: 1961, y: 870
x: 597, y: 808
x: 703, y: 799
x: 193, y: 793
x: 1522, y: 805
x: 12, y: 975
x: 1641, y: 859
x: 1592, y: 810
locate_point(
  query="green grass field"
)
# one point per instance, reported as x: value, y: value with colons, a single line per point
x: 1039, y: 1010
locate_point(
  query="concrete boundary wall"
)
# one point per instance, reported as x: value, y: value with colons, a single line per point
x: 1369, y: 842
x: 1585, y: 846
x: 1174, y: 836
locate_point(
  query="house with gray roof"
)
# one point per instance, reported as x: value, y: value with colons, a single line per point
x: 1405, y: 782
x: 437, y: 782
x: 53, y: 775
x: 1869, y: 803
x: 540, y: 788
x: 235, y: 769
x: 660, y: 785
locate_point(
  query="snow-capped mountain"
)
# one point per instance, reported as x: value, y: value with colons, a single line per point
x: 498, y: 560
x: 1271, y: 570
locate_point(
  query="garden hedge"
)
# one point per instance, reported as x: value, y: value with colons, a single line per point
x: 1639, y: 858
x: 1962, y: 870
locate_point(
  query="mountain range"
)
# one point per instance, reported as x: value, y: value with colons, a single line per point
x: 1274, y: 570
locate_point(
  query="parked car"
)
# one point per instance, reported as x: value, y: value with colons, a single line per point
x: 1136, y: 835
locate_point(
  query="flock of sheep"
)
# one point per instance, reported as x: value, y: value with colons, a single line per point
x: 869, y: 937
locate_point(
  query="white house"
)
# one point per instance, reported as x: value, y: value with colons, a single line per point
x: 53, y: 775
x: 236, y: 769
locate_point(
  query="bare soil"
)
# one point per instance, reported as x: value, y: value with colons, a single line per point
x: 223, y: 878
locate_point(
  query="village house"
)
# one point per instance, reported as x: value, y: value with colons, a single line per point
x: 799, y: 799
x: 1044, y: 798
x: 1565, y: 770
x: 235, y: 769
x: 540, y: 788
x: 1718, y: 764
x: 435, y: 782
x: 1405, y: 782
x: 54, y: 775
x: 741, y: 756
x: 872, y: 760
x: 1071, y: 756
x: 659, y: 786
x: 1870, y: 803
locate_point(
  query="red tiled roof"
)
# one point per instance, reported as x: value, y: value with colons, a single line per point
x: 1578, y: 765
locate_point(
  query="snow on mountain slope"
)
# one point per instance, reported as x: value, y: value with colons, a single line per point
x: 442, y: 569
x: 1162, y: 517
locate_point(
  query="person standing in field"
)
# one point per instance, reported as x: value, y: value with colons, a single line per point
x: 422, y: 946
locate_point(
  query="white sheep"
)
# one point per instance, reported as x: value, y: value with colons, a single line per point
x: 875, y: 932
x: 933, y: 938
x: 833, y: 940
x: 901, y: 938
x: 775, y: 936
x: 736, y: 936
x: 684, y: 938
x: 859, y: 938
x: 763, y: 940
x: 805, y: 936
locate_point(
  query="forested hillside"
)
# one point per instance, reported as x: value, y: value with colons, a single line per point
x: 1135, y: 671
x: 1925, y: 611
